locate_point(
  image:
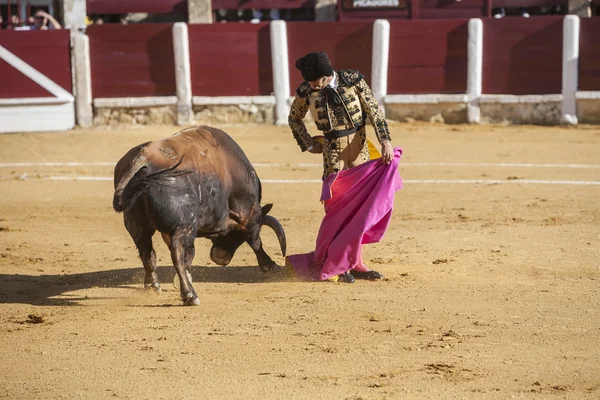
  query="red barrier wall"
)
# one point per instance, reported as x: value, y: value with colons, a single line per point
x: 522, y: 56
x: 132, y: 60
x: 231, y: 59
x: 589, y: 54
x: 348, y: 45
x: 428, y: 56
x: 46, y: 51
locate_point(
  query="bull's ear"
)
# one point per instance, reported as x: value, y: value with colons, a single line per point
x: 266, y: 208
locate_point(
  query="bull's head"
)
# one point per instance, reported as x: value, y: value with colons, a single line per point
x: 225, y: 247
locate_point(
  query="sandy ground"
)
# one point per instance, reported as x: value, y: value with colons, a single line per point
x: 491, y: 290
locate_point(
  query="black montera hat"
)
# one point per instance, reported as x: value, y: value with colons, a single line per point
x: 314, y: 66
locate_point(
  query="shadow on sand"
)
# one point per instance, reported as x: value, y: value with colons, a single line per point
x: 46, y: 290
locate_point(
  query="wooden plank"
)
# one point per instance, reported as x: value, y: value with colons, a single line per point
x: 428, y: 57
x: 231, y: 60
x: 46, y: 51
x: 348, y: 44
x: 132, y: 60
x: 589, y: 54
x: 522, y: 56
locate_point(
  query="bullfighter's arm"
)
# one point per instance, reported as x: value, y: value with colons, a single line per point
x: 371, y: 107
x: 298, y: 111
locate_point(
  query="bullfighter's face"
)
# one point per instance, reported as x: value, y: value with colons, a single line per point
x: 320, y: 83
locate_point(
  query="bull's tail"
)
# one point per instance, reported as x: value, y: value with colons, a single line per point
x: 140, y: 182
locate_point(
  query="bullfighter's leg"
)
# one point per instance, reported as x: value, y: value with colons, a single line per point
x: 141, y: 232
x: 264, y: 261
x: 182, y: 254
x: 361, y: 271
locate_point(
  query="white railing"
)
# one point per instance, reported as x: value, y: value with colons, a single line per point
x: 472, y: 99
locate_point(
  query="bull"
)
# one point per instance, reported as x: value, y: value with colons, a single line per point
x: 196, y: 183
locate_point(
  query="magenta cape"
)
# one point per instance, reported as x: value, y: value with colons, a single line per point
x: 358, y: 208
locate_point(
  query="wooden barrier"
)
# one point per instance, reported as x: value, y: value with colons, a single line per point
x: 428, y: 56
x: 589, y: 54
x: 46, y: 51
x: 132, y: 60
x: 522, y: 56
x: 230, y: 59
x: 349, y: 45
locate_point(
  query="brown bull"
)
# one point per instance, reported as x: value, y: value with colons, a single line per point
x: 196, y: 183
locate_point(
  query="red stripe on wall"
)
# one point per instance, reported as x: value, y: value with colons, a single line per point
x: 46, y: 51
x: 589, y: 54
x: 132, y: 60
x: 348, y: 45
x: 428, y: 56
x: 231, y: 59
x: 522, y: 56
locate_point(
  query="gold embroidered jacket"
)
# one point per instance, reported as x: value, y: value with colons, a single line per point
x: 355, y: 103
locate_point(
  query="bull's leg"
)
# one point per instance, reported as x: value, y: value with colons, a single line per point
x: 182, y: 254
x: 264, y: 261
x: 141, y: 232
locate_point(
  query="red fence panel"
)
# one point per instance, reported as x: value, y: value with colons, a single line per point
x: 348, y: 45
x: 231, y: 59
x: 428, y: 56
x: 46, y: 51
x: 589, y: 54
x: 132, y: 60
x: 522, y: 56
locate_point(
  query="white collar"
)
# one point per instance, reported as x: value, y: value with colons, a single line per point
x: 333, y: 82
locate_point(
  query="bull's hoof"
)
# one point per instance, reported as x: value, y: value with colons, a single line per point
x: 368, y: 275
x: 190, y: 299
x: 346, y: 277
x: 220, y: 256
x: 153, y: 288
x: 271, y: 267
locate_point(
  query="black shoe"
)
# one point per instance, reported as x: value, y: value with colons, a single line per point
x: 368, y: 275
x: 346, y: 277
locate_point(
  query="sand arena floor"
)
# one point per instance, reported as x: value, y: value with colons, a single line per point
x: 491, y: 290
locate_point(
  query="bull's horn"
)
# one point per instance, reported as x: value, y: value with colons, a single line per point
x: 272, y: 223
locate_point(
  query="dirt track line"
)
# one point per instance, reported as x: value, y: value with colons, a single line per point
x: 277, y: 165
x: 410, y: 181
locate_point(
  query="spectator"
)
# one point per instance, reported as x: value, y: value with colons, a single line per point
x: 41, y: 21
x: 501, y: 13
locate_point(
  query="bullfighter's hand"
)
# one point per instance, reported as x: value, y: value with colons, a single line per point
x: 387, y: 152
x: 317, y: 148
